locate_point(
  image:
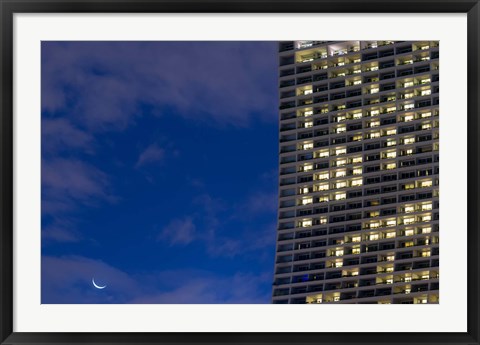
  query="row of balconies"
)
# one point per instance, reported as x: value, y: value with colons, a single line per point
x: 342, y: 253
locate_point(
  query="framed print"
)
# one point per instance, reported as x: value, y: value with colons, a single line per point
x: 239, y: 172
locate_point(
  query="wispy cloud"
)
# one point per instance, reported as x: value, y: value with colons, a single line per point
x: 178, y: 231
x: 60, y: 134
x: 67, y: 279
x: 151, y: 154
x: 129, y: 74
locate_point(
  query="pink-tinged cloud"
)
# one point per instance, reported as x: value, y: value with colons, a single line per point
x: 67, y: 279
x: 151, y: 154
x: 178, y: 232
x: 108, y: 82
x: 60, y: 134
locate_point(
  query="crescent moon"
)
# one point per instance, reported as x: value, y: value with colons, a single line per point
x: 98, y: 286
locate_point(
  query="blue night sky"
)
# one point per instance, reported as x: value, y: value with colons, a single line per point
x: 159, y: 171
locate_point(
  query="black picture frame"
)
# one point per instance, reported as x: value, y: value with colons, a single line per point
x: 9, y: 7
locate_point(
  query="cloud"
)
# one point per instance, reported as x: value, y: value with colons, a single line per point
x: 60, y: 230
x: 105, y: 84
x: 178, y: 231
x: 152, y: 153
x: 207, y: 288
x: 66, y: 182
x: 67, y: 279
x: 60, y: 135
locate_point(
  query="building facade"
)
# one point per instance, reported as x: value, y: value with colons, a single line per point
x: 358, y: 218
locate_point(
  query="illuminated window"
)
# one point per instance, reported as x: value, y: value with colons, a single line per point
x: 409, y: 244
x: 391, y: 154
x: 408, y: 84
x: 340, y: 196
x: 391, y: 132
x: 391, y: 166
x: 409, y: 141
x: 407, y: 62
x: 389, y: 269
x: 306, y: 201
x: 323, y: 198
x: 357, y: 183
x: 426, y: 218
x: 308, y: 113
x: 391, y: 222
x: 391, y: 142
x: 390, y: 234
x: 308, y: 124
x: 408, y: 152
x: 426, y: 126
x: 308, y: 167
x: 341, y: 184
x: 375, y: 123
x: 356, y: 239
x: 426, y: 207
x: 374, y: 135
x: 426, y: 230
x: 306, y: 223
x: 408, y: 95
x: 425, y: 47
x: 389, y: 280
x: 340, y: 151
x: 356, y: 250
x: 357, y: 160
x: 374, y: 112
x: 408, y: 279
x: 425, y: 81
x: 409, y: 232
x: 338, y: 264
x: 336, y: 298
x: 354, y: 273
x: 341, y: 129
x: 424, y: 115
x: 357, y: 82
x: 307, y: 92
x: 323, y: 154
x: 308, y: 146
x: 373, y: 237
x: 409, y: 106
x: 341, y: 173
x: 374, y: 225
x: 357, y: 171
x: 338, y: 252
x: 390, y: 257
x: 426, y: 254
x: 407, y: 291
x: 426, y: 184
x: 409, y: 209
x: 323, y: 176
x: 391, y: 109
x: 426, y: 276
x: 341, y: 118
x: 409, y: 118
x: 374, y: 90
x: 409, y: 220
x: 341, y: 162
x: 305, y: 190
x: 323, y: 220
x: 323, y: 186
x: 374, y: 214
x: 426, y: 92
x: 357, y: 116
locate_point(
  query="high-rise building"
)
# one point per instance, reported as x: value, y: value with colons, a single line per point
x: 358, y: 218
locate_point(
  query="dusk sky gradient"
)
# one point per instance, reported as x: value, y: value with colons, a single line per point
x: 159, y: 171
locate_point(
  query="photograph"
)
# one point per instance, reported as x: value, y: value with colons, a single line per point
x: 240, y: 172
